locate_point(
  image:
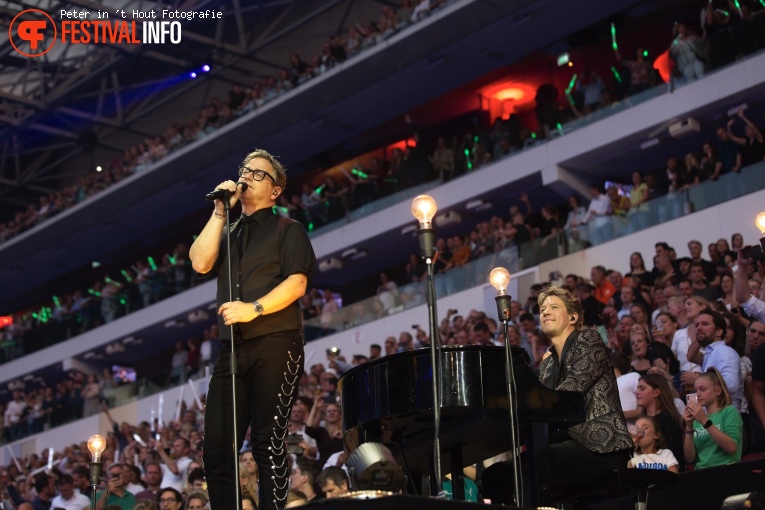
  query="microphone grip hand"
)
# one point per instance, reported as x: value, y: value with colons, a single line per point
x: 226, y: 190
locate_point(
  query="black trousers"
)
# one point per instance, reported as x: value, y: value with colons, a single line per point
x: 269, y: 369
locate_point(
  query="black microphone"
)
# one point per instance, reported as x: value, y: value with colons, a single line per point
x: 220, y: 194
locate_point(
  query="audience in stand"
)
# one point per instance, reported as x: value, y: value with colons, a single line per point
x: 219, y: 113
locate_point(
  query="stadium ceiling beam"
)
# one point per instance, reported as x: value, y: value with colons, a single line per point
x: 50, y: 166
x: 326, y: 6
x: 239, y: 25
x: 31, y: 168
x: 18, y: 184
x: 63, y: 133
x: 388, y: 3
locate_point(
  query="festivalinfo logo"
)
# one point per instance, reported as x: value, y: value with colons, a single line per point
x: 34, y: 32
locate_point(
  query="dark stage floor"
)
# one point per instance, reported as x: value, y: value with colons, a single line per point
x: 697, y: 490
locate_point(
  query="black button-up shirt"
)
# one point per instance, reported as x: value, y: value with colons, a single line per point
x: 266, y: 249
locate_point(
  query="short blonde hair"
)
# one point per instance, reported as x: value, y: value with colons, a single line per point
x: 573, y: 306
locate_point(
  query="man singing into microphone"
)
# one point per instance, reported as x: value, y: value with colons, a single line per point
x: 272, y: 262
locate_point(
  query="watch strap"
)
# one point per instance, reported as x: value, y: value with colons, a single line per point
x: 708, y: 424
x: 258, y: 308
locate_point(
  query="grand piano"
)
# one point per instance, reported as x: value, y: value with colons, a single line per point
x: 390, y: 401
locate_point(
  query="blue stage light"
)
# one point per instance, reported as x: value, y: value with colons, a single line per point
x: 206, y: 68
x: 192, y: 74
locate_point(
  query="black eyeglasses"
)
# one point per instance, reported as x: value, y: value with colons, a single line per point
x: 257, y: 175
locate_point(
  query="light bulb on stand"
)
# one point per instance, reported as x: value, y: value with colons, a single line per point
x: 96, y: 445
x: 760, y: 222
x: 424, y: 208
x: 500, y: 279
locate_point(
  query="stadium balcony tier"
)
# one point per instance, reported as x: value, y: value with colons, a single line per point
x: 550, y: 171
x: 463, y: 41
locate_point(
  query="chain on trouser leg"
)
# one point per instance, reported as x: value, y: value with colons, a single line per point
x: 279, y: 465
x: 272, y: 386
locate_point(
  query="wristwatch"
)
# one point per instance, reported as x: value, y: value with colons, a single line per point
x: 708, y: 424
x: 258, y: 309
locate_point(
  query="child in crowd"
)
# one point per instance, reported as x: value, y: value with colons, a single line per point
x: 650, y: 452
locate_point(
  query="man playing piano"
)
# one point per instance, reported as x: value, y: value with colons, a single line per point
x: 578, y: 361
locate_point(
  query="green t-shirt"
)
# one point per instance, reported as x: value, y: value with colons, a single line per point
x: 708, y: 452
x: 126, y: 502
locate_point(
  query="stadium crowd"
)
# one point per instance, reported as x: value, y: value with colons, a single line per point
x: 668, y: 341
x: 687, y: 326
x: 720, y: 37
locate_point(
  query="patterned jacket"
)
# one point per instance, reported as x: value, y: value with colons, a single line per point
x: 584, y: 366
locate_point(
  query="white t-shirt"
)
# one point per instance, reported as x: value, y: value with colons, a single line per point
x: 680, y: 343
x: 169, y: 479
x: 77, y: 502
x: 627, y: 384
x: 134, y: 488
x: 662, y: 460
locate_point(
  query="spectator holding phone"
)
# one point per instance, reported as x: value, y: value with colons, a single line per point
x: 713, y: 427
x: 118, y: 495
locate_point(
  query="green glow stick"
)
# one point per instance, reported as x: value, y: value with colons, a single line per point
x: 616, y: 74
x: 152, y: 263
x: 613, y: 37
x: 467, y: 157
x: 310, y: 227
x: 359, y: 173
x: 126, y: 275
x: 645, y: 53
x: 56, y: 301
x: 738, y: 8
x: 571, y: 84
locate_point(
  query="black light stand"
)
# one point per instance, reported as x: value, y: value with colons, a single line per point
x: 427, y: 238
x: 95, y: 480
x: 503, y: 301
x: 233, y: 365
x: 96, y: 445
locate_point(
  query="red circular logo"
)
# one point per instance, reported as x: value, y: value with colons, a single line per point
x: 30, y: 28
